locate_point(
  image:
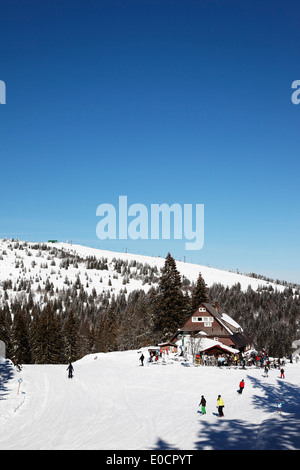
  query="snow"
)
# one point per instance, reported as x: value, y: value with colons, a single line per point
x: 206, y: 343
x: 19, y: 260
x: 113, y: 403
x: 189, y: 270
x: 229, y: 320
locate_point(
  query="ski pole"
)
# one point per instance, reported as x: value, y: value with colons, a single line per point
x: 20, y: 380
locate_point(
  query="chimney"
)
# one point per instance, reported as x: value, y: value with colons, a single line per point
x: 217, y: 305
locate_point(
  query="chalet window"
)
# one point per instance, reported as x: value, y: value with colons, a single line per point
x: 202, y: 309
x: 202, y: 319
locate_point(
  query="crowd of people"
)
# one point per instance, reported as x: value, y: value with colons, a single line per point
x: 250, y: 359
x: 253, y: 358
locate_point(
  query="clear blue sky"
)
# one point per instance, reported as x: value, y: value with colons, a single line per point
x: 164, y: 101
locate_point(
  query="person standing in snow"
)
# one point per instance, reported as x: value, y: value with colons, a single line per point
x: 142, y: 359
x: 242, y: 385
x: 282, y: 373
x: 203, y: 405
x: 70, y: 369
x: 279, y: 406
x: 220, y: 405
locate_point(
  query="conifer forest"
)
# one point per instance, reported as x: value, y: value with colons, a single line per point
x: 62, y: 325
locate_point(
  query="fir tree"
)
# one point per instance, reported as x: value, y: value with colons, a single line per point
x: 20, y: 339
x: 170, y: 301
x: 111, y: 327
x: 199, y: 294
x: 5, y: 331
x: 70, y: 332
x: 47, y: 341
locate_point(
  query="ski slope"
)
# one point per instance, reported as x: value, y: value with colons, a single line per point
x: 113, y: 403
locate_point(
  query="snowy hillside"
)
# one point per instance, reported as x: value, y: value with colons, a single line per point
x: 114, y: 403
x: 25, y: 266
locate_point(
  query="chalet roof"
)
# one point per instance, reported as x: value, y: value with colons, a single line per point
x: 189, y: 328
x: 221, y: 347
x: 241, y: 339
x: 223, y: 318
x: 208, y: 344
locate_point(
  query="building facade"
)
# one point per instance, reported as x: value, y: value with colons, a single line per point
x: 212, y: 322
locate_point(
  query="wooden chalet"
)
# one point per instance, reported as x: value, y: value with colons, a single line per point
x: 212, y: 322
x: 167, y: 346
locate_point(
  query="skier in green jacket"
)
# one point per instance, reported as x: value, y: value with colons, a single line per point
x: 203, y: 405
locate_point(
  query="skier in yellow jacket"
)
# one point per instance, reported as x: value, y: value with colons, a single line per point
x: 220, y: 405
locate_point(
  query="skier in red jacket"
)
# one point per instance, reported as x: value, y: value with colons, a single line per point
x: 242, y: 385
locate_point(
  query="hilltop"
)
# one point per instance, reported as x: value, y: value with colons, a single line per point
x: 60, y: 301
x: 25, y: 265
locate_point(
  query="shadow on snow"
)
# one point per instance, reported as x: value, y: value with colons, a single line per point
x: 277, y: 431
x: 6, y: 374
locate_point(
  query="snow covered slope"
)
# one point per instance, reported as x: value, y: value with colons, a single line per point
x: 61, y: 264
x: 189, y: 270
x: 114, y: 403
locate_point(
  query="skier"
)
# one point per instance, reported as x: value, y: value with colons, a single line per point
x: 70, y: 368
x: 142, y: 359
x: 18, y: 366
x: 242, y: 385
x: 266, y: 371
x: 279, y: 406
x: 220, y: 406
x: 203, y: 405
x: 282, y: 373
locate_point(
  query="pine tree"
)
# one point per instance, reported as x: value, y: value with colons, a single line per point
x: 47, y: 344
x: 136, y: 323
x: 111, y: 327
x: 187, y: 309
x: 170, y: 301
x: 84, y: 336
x: 20, y: 339
x: 70, y: 332
x: 199, y: 294
x: 5, y: 331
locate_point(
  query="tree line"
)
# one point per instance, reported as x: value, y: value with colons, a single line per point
x: 71, y: 324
